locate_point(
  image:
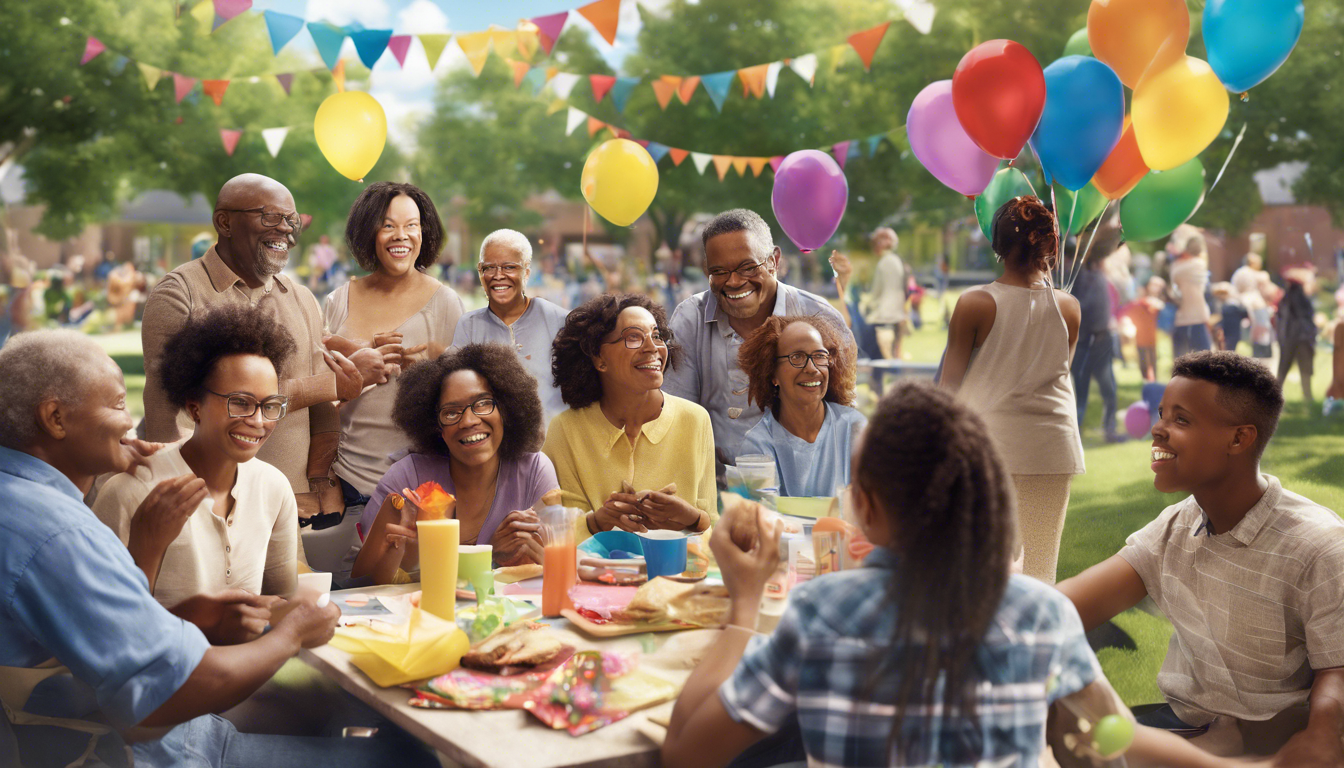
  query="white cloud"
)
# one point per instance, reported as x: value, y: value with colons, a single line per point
x: 374, y: 14
x: 421, y: 16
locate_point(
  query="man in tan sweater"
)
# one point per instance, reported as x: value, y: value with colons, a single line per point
x: 256, y: 222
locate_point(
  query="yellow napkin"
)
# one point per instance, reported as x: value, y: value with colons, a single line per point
x: 425, y: 647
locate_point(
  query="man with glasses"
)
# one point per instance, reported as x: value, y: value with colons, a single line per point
x: 526, y: 324
x: 257, y: 224
x: 742, y: 262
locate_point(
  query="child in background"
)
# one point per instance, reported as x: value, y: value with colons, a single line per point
x: 1143, y: 312
x: 1229, y: 315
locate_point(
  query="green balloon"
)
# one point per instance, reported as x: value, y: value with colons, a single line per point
x: 1078, y: 44
x: 1162, y: 202
x: 1113, y: 735
x: 1006, y: 184
x: 1090, y: 205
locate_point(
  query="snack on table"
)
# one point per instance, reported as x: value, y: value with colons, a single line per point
x: 663, y: 600
x: 744, y: 520
x: 550, y: 498
x: 514, y: 646
x: 431, y: 501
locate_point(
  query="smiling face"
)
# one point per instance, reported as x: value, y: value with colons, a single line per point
x: 398, y: 242
x: 503, y: 274
x: 800, y: 386
x: 637, y: 370
x: 98, y: 422
x: 738, y: 296
x: 251, y: 378
x: 1196, y: 438
x: 474, y: 440
x: 265, y: 249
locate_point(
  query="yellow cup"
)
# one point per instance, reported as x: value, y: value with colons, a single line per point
x: 439, y: 540
x: 472, y: 561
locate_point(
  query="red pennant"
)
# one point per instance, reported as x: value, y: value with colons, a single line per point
x: 603, y: 15
x: 841, y: 151
x: 215, y: 89
x: 182, y: 85
x: 866, y: 42
x: 601, y: 85
x: 399, y: 45
x: 621, y: 133
x: 286, y: 80
x: 549, y: 28
x: 230, y: 139
x: 643, y: 143
x: 520, y: 70
x: 678, y: 155
x: 92, y: 47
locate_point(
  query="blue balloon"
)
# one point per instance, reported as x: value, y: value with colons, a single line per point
x: 1248, y: 40
x: 1083, y: 119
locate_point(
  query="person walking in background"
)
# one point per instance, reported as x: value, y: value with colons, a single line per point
x: 1095, y: 356
x: 1231, y: 315
x: 1246, y: 282
x: 1190, y: 277
x: 1143, y: 312
x: 886, y: 298
x: 1297, y: 327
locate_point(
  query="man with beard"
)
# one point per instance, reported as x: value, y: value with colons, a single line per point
x: 256, y: 223
x: 742, y: 262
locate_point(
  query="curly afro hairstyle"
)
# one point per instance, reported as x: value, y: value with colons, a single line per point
x: 416, y: 409
x: 189, y: 356
x: 1246, y: 387
x: 366, y: 217
x: 580, y: 340
x: 1025, y: 234
x: 758, y: 357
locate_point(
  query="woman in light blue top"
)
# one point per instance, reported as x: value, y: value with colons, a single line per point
x: 801, y: 374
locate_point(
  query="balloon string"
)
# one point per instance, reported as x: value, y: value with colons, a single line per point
x: 1078, y: 268
x: 1054, y: 206
x: 1221, y: 171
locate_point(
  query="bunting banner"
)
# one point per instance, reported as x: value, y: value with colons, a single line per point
x: 620, y: 92
x: 286, y: 80
x: 574, y: 119
x: 562, y: 85
x: 753, y: 80
x: 772, y: 77
x: 328, y: 39
x: 274, y: 138
x: 282, y: 28
x: 370, y: 44
x: 434, y: 45
x: 701, y: 160
x: 476, y: 46
x: 549, y: 27
x: 92, y: 47
x: 603, y: 15
x: 399, y: 45
x: 215, y: 90
x: 717, y: 85
x: 865, y: 43
x: 841, y: 152
x: 182, y: 85
x: 230, y: 139
x: 151, y: 75
x: 601, y: 85
x: 226, y: 10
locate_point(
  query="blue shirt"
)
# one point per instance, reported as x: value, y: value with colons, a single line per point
x: 72, y: 591
x: 530, y: 336
x: 708, y: 373
x: 808, y: 469
x: 819, y: 663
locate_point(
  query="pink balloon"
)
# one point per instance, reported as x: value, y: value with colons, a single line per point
x: 942, y: 145
x: 1137, y: 420
x: 809, y: 197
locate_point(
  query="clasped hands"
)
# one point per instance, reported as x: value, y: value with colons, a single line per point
x: 358, y: 363
x: 236, y: 616
x: 641, y: 512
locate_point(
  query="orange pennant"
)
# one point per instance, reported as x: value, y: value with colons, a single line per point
x: 721, y: 164
x: 595, y: 125
x: 338, y: 75
x: 687, y: 88
x: 866, y: 42
x: 677, y: 155
x: 520, y: 70
x: 604, y: 15
x: 663, y: 90
x: 753, y: 80
x: 757, y: 165
x: 215, y: 89
x: 740, y: 165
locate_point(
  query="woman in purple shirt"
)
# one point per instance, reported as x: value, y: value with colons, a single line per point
x: 475, y: 423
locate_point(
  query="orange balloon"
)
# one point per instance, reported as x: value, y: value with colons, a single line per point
x: 1123, y: 169
x: 1132, y: 35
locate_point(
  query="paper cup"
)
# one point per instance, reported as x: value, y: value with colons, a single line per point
x: 664, y: 552
x: 315, y: 585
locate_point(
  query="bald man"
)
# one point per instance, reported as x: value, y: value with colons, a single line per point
x: 256, y: 223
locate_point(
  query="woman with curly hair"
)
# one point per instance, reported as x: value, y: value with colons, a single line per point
x: 242, y: 529
x: 802, y: 377
x: 622, y: 432
x: 1009, y: 345
x: 474, y: 421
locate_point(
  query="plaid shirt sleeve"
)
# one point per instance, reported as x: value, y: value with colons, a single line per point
x: 1074, y: 666
x: 762, y: 691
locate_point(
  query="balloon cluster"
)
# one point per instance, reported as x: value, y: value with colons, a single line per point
x: 1072, y: 112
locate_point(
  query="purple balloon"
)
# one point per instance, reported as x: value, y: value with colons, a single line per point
x: 941, y: 144
x: 809, y: 198
x: 1137, y: 420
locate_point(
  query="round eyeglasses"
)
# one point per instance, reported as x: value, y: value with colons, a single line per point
x: 634, y: 338
x: 451, y: 414
x: 747, y: 271
x: 799, y: 359
x: 509, y: 268
x: 242, y: 405
x: 272, y: 220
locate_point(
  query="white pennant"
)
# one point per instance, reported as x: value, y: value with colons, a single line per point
x: 701, y: 161
x: 575, y: 119
x: 772, y: 77
x: 275, y: 138
x: 919, y: 13
x: 805, y: 66
x: 563, y: 83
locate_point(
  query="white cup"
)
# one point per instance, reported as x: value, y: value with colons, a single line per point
x: 316, y: 585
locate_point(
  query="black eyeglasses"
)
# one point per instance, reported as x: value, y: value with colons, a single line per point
x: 747, y: 271
x: 242, y: 405
x: 451, y: 414
x: 508, y: 268
x: 271, y: 219
x: 799, y: 359
x: 634, y: 338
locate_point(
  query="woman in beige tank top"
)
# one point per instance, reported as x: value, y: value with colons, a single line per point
x: 1008, y: 350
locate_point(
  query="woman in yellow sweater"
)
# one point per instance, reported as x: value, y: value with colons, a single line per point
x: 622, y: 429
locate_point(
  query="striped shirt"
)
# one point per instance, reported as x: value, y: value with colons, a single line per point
x: 819, y: 664
x: 1255, y: 609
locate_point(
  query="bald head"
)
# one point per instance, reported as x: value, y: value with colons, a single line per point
x: 252, y: 190
x: 39, y: 366
x: 257, y: 223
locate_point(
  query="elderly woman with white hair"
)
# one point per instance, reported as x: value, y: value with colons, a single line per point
x: 526, y: 324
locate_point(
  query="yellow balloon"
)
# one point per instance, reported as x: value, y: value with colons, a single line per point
x: 1178, y: 111
x: 619, y: 181
x: 351, y: 129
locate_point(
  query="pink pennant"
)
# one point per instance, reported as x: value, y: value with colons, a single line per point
x: 841, y: 151
x: 227, y: 9
x: 230, y: 139
x: 286, y: 80
x: 399, y: 45
x: 643, y: 143
x: 775, y: 161
x: 182, y: 85
x: 549, y: 27
x: 92, y: 48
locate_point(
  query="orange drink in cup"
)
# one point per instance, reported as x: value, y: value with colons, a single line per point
x: 559, y: 565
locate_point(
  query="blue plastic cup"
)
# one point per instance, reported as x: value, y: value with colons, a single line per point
x: 664, y: 552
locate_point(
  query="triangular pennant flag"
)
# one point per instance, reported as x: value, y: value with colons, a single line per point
x: 536, y: 79
x: 853, y: 150
x: 700, y: 160
x: 621, y: 133
x: 687, y: 89
x: 282, y: 28
x: 203, y: 13
x: 286, y: 80
x: 677, y: 155
x: 753, y: 80
x: 182, y: 85
x: 549, y: 27
x: 520, y: 70
x: 399, y: 44
x: 557, y: 105
x: 230, y: 139
x: 370, y: 44
x: 657, y: 151
x: 563, y: 84
x: 806, y: 67
x: 841, y: 152
x: 772, y: 76
x: 919, y: 13
x: 643, y: 143
x: 594, y: 125
x: 721, y: 164
x: 476, y: 45
x: 92, y: 47
x: 551, y: 72
x: 775, y: 161
x: 328, y: 40
x: 504, y: 41
x: 151, y: 75
x: 275, y: 138
x: 603, y: 15
x: 601, y: 84
x: 757, y: 165
x: 574, y: 120
x: 717, y: 85
x: 227, y: 9
x: 119, y: 65
x: 620, y: 93
x: 866, y: 42
x: 874, y: 142
x: 740, y: 165
x: 338, y: 76
x: 527, y: 37
x: 215, y: 90
x: 837, y: 52
x: 434, y: 45
x: 664, y: 88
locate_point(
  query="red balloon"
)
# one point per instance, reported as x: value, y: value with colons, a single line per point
x: 998, y: 92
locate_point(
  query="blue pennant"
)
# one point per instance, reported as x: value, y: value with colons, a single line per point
x: 620, y: 92
x: 282, y: 27
x: 535, y: 79
x: 328, y: 40
x: 370, y: 44
x: 717, y: 85
x: 873, y: 143
x: 656, y: 151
